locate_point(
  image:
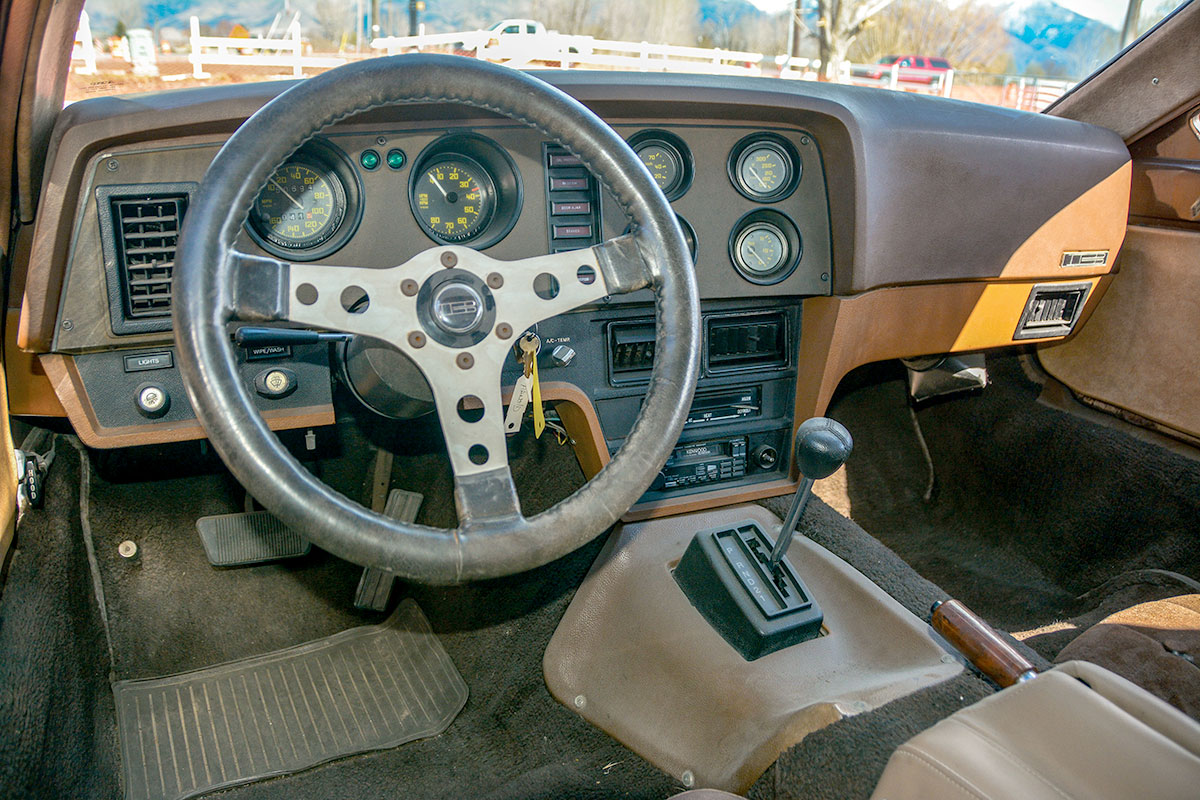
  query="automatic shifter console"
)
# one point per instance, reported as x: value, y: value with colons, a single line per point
x: 740, y: 580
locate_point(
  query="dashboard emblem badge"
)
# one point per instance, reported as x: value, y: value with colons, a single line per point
x: 457, y: 307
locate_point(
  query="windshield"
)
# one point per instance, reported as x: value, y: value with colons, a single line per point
x: 1022, y: 54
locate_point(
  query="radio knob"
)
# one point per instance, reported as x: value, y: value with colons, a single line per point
x: 152, y: 400
x: 766, y: 457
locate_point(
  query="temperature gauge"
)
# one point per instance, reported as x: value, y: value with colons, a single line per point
x: 765, y: 167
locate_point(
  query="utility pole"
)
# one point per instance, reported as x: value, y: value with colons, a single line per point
x: 412, y: 17
x: 374, y: 31
x: 358, y: 25
x: 1129, y: 29
x: 794, y: 30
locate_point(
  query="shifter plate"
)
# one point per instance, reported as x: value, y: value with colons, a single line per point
x: 724, y: 574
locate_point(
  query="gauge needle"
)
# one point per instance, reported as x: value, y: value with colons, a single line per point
x: 754, y: 253
x: 295, y: 202
x: 754, y: 172
x: 439, y: 187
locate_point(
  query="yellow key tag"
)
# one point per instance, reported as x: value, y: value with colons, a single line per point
x: 539, y: 416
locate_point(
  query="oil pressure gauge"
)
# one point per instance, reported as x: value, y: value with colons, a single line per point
x: 668, y: 159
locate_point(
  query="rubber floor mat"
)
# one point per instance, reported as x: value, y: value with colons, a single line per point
x: 367, y: 688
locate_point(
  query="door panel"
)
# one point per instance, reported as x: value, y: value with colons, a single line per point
x: 1140, y: 350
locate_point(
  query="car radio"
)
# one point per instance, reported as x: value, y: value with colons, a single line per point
x: 703, y: 462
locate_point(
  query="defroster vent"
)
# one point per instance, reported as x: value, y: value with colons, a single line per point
x: 140, y: 240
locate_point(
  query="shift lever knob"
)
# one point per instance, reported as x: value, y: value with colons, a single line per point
x: 822, y: 445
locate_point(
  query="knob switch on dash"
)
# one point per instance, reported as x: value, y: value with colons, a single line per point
x: 152, y: 400
x: 275, y: 382
x: 562, y: 355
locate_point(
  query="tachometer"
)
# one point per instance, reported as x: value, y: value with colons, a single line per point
x: 454, y: 199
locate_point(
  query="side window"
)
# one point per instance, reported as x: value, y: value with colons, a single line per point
x: 512, y: 29
x: 907, y: 62
x: 530, y: 29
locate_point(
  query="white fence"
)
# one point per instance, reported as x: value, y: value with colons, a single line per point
x: 897, y: 77
x: 285, y: 52
x: 546, y: 49
x: 1032, y: 94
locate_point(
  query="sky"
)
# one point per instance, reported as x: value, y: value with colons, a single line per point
x: 1110, y: 12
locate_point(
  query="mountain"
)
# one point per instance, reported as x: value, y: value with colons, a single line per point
x: 1051, y: 39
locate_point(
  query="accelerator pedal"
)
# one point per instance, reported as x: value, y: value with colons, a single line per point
x: 363, y: 689
x: 238, y: 540
x: 375, y: 585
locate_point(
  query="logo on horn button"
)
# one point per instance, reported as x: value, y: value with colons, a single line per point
x: 457, y: 307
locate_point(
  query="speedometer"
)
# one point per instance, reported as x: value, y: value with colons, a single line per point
x: 301, y: 207
x: 310, y: 205
x: 454, y: 199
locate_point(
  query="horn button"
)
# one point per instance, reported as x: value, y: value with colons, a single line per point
x: 456, y: 308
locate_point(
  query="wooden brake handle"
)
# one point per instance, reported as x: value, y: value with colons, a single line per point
x: 980, y: 644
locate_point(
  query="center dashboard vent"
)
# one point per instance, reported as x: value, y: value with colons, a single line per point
x: 140, y: 230
x: 747, y: 341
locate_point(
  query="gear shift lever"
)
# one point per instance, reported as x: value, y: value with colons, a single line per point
x: 758, y: 603
x: 822, y: 446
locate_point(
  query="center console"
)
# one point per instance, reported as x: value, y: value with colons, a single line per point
x: 740, y: 421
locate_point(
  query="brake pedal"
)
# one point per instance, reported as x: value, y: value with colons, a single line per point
x: 375, y: 585
x: 253, y: 537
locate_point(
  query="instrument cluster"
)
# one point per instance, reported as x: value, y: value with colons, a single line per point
x: 464, y: 188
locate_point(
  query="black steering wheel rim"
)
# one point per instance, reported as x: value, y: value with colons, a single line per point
x: 210, y: 290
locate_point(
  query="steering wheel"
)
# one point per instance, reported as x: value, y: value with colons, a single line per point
x: 454, y: 311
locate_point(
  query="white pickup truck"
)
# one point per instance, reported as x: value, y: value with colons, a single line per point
x: 529, y: 40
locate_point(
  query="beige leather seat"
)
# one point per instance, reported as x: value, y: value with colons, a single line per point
x: 1077, y: 731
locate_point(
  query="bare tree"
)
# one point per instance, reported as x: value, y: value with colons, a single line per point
x: 970, y: 35
x: 839, y: 22
x: 565, y: 16
x: 334, y: 20
x: 657, y: 21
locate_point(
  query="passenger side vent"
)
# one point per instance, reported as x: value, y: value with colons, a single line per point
x: 140, y: 227
x: 747, y: 341
x: 630, y: 350
x: 1052, y: 310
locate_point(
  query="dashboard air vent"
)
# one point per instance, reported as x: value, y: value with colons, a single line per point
x: 146, y: 231
x: 1052, y: 310
x: 630, y: 350
x: 748, y: 341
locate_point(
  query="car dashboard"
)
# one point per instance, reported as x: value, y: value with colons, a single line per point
x: 829, y: 227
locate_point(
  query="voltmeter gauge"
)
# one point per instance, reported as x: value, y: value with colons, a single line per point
x: 761, y: 248
x: 765, y: 246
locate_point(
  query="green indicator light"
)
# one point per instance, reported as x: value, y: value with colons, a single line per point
x: 369, y: 159
x: 396, y: 159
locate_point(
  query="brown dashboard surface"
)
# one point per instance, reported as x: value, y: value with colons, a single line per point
x: 925, y: 224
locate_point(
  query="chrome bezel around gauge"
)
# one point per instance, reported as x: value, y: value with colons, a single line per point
x: 790, y: 163
x: 497, y: 168
x: 766, y: 219
x: 676, y: 150
x: 335, y: 166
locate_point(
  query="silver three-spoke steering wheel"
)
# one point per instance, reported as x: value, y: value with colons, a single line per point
x: 452, y: 310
